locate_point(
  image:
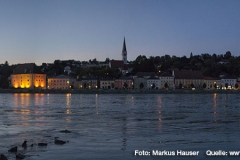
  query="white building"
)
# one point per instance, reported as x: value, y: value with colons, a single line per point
x: 212, y: 83
x: 166, y: 80
x: 153, y: 83
x: 106, y: 84
x: 67, y: 69
x: 229, y: 82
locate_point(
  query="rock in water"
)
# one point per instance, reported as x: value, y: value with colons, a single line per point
x: 65, y: 131
x: 20, y: 156
x: 57, y: 141
x: 14, y: 149
x: 24, y: 144
x: 3, y: 157
x: 42, y: 144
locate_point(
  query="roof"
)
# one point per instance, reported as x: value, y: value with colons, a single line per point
x: 89, y: 78
x: 116, y: 63
x: 152, y: 77
x: 165, y: 74
x: 107, y: 80
x: 124, y: 78
x: 188, y: 74
x: 208, y: 78
x: 142, y: 74
x: 228, y: 77
x: 126, y: 66
x: 62, y: 76
x: 139, y: 77
x: 26, y: 68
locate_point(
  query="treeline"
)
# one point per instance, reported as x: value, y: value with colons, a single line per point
x: 210, y: 65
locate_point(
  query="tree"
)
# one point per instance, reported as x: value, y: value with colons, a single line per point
x: 215, y: 85
x: 6, y: 63
x: 107, y: 60
x: 153, y: 85
x: 192, y: 85
x: 112, y: 85
x: 227, y: 55
x: 204, y: 85
x: 226, y: 85
x: 141, y: 85
x: 166, y: 85
x: 125, y: 86
x: 4, y: 83
x: 180, y: 85
x: 236, y: 86
x: 85, y: 85
x: 191, y: 55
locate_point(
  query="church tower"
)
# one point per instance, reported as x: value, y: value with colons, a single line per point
x: 124, y: 52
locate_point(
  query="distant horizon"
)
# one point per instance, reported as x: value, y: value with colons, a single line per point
x: 43, y: 31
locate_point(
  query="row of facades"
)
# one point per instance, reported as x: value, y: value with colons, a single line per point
x: 25, y: 76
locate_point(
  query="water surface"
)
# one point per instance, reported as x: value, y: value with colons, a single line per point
x: 105, y: 126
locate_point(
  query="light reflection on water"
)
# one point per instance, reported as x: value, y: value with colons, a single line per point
x: 113, y: 126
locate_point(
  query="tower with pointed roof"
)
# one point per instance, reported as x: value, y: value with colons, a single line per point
x: 124, y: 52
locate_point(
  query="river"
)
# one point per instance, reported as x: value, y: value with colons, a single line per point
x: 105, y: 126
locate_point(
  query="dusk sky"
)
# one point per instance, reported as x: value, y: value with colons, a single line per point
x: 45, y: 30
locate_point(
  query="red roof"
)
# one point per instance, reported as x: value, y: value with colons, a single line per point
x: 188, y: 74
x: 208, y: 78
x: 116, y: 64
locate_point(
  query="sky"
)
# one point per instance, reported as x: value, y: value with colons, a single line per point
x: 42, y: 31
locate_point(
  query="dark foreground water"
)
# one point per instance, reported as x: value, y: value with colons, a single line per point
x: 116, y: 126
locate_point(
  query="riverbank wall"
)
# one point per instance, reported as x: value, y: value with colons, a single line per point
x: 118, y: 91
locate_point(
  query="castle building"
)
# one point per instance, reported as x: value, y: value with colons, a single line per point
x: 27, y: 76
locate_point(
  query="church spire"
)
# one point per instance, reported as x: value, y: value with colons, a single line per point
x: 124, y: 46
x: 124, y: 52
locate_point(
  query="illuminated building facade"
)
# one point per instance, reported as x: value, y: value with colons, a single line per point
x: 27, y: 76
x: 61, y: 82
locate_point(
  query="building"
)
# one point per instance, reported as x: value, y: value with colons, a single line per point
x: 212, y: 83
x: 228, y: 82
x: 67, y: 70
x: 122, y: 65
x: 107, y: 84
x: 89, y: 82
x: 123, y: 83
x: 145, y: 75
x: 27, y: 76
x: 153, y: 83
x: 188, y: 79
x: 166, y: 81
x: 61, y: 82
x: 140, y: 82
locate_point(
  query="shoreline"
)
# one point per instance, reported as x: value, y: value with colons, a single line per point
x: 118, y: 91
